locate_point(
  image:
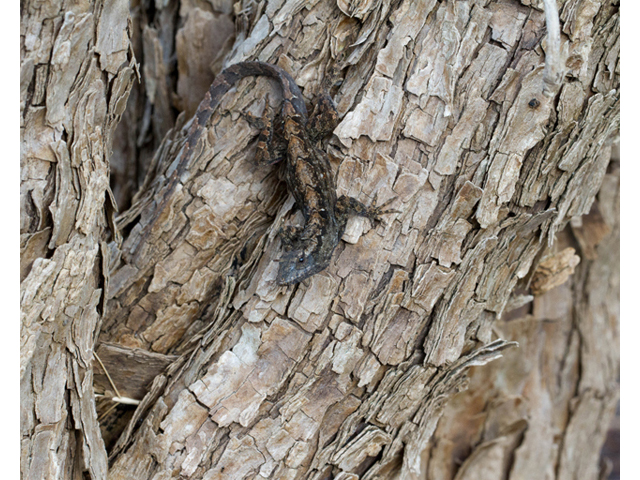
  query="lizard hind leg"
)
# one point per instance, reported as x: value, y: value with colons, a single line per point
x: 350, y: 206
x: 272, y: 146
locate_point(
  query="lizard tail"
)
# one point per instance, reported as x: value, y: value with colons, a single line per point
x: 229, y: 77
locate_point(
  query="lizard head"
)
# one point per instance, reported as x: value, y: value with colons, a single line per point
x: 299, y: 263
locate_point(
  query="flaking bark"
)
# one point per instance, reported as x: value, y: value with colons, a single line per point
x: 447, y: 106
x: 76, y: 72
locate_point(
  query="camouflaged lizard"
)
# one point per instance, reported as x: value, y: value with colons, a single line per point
x: 307, y: 171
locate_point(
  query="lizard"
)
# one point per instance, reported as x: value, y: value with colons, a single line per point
x: 307, y: 171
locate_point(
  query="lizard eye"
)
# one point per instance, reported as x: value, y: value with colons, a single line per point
x: 301, y: 259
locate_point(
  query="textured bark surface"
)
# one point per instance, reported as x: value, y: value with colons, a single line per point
x: 355, y: 373
x: 544, y: 410
x: 76, y: 73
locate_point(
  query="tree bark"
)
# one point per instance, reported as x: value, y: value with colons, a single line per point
x: 76, y: 72
x: 493, y: 129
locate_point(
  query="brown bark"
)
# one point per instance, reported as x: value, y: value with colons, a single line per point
x: 76, y: 72
x: 492, y: 145
x: 544, y: 410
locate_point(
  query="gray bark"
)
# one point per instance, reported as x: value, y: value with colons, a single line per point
x: 497, y: 143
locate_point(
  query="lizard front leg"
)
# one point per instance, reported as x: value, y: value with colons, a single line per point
x: 289, y: 234
x: 323, y: 119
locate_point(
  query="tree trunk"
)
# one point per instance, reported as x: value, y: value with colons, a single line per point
x: 76, y: 73
x: 491, y: 127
